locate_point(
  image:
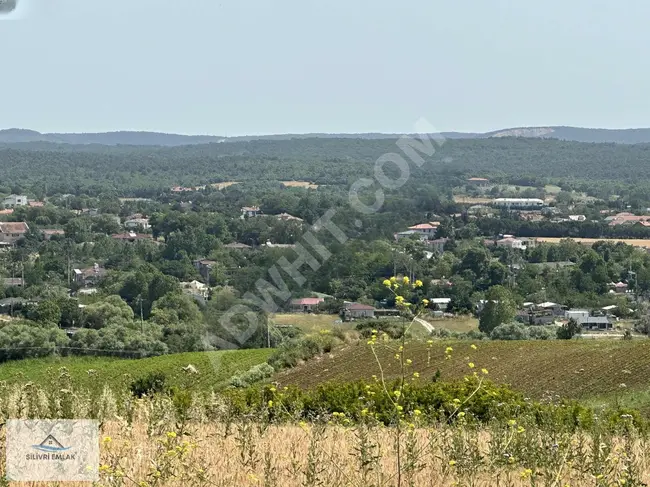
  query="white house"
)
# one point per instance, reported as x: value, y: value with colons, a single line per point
x: 427, y: 229
x: 250, y: 211
x: 196, y: 288
x: 513, y: 243
x: 14, y: 200
x: 138, y: 223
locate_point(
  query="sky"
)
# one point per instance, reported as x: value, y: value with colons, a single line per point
x: 237, y: 67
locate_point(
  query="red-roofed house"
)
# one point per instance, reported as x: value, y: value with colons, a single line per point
x: 305, y: 305
x: 11, y: 232
x: 427, y: 229
x: 626, y: 218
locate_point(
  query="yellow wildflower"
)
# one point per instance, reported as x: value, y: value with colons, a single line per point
x: 405, y: 280
x: 418, y: 283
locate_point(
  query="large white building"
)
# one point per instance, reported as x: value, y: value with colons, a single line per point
x: 519, y: 203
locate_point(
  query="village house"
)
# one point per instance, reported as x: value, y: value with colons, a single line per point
x: 478, y: 181
x: 250, y: 211
x: 14, y: 200
x: 618, y: 288
x: 409, y: 234
x: 305, y: 305
x: 36, y: 204
x: 287, y: 217
x: 600, y: 323
x: 513, y: 243
x: 519, y: 203
x: 427, y: 229
x: 626, y: 218
x: 13, y: 282
x: 48, y: 233
x: 132, y: 237
x: 352, y: 311
x: 11, y: 232
x: 196, y: 289
x: 136, y: 223
x: 204, y: 266
x: 89, y: 276
x: 438, y: 245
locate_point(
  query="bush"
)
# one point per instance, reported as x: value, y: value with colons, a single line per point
x: 152, y: 383
x: 510, y: 331
x: 252, y: 375
x: 393, y: 328
x: 542, y: 332
x: 297, y: 350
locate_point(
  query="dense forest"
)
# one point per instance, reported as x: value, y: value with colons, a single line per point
x: 136, y: 169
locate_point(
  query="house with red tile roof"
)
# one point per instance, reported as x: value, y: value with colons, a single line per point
x: 306, y: 305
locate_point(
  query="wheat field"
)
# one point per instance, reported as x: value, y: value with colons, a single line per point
x: 257, y: 454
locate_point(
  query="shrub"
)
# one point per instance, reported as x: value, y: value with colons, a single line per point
x: 152, y: 383
x: 393, y: 328
x: 542, y: 332
x: 297, y: 350
x: 510, y: 331
x: 252, y: 375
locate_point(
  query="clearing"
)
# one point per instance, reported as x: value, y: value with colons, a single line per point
x: 221, y: 186
x: 471, y: 200
x: 311, y: 323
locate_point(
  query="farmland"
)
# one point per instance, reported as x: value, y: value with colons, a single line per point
x: 215, y: 368
x: 642, y: 243
x: 471, y: 200
x: 572, y: 369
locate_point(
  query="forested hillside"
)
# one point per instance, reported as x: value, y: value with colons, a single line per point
x: 323, y: 161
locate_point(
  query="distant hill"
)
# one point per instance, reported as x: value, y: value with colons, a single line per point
x: 577, y: 134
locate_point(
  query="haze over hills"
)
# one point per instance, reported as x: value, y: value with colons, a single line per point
x: 577, y: 134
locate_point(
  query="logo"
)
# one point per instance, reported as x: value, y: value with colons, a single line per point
x: 50, y: 444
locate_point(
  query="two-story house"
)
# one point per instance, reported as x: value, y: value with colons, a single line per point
x: 14, y: 200
x: 11, y: 232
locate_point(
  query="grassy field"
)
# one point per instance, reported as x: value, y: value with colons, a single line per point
x: 590, y: 241
x: 470, y: 200
x: 577, y: 369
x: 224, y: 185
x: 310, y: 323
x: 461, y: 324
x: 215, y: 369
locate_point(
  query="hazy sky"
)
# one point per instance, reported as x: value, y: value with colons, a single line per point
x: 238, y: 67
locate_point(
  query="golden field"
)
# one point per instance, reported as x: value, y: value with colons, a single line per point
x: 636, y: 242
x: 254, y: 454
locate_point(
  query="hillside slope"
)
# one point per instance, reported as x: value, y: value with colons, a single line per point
x: 572, y: 369
x: 215, y: 369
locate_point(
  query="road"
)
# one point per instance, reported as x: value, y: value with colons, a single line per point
x: 428, y: 326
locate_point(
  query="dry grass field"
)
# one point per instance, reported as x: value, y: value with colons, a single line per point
x: 470, y: 200
x: 253, y: 454
x: 299, y: 184
x: 310, y: 323
x: 221, y: 186
x: 643, y: 243
x: 573, y: 369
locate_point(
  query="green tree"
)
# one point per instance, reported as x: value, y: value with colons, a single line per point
x: 569, y: 330
x: 499, y: 308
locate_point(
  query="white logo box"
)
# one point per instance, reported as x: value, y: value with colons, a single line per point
x: 65, y: 450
